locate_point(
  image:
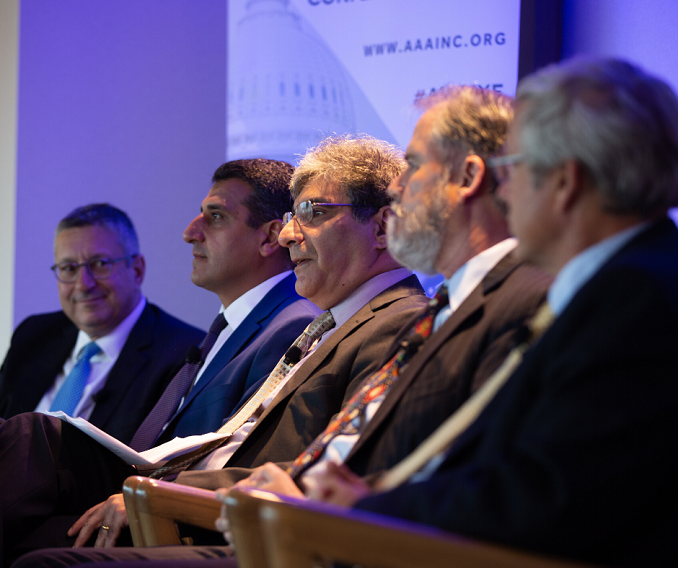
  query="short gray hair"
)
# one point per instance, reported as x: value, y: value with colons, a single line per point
x: 618, y: 122
x: 470, y: 120
x: 103, y: 215
x: 361, y: 166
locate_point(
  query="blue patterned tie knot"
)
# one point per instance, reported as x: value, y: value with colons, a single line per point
x: 69, y: 394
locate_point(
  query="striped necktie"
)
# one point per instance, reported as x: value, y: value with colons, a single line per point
x: 372, y: 387
x: 441, y: 441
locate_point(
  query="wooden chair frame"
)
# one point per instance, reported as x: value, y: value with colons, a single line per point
x: 272, y: 531
x: 154, y: 507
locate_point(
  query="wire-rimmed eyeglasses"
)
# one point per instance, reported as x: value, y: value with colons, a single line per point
x: 98, y: 268
x: 304, y: 212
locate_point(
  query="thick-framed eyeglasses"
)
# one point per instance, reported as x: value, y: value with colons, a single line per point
x: 98, y: 268
x: 502, y: 166
x: 304, y: 212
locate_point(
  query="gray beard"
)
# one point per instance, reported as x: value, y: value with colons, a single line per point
x: 417, y: 243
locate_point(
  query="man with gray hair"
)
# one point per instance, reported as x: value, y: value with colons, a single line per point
x: 133, y: 348
x: 576, y: 455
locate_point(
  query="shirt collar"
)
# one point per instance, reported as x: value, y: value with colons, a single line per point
x: 343, y: 311
x: 239, y: 309
x: 580, y: 269
x: 465, y: 279
x: 113, y: 343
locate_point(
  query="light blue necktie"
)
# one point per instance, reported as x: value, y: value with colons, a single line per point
x: 69, y: 394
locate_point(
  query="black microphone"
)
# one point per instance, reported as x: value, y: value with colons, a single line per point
x: 99, y: 397
x: 193, y: 354
x: 521, y: 335
x: 293, y: 356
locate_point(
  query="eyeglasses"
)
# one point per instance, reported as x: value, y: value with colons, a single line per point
x: 98, y: 268
x: 502, y: 166
x: 304, y: 212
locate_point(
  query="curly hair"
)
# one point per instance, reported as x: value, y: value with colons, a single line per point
x: 361, y: 166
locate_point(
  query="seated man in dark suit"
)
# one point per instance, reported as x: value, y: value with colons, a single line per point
x: 575, y: 455
x: 367, y: 295
x: 134, y: 350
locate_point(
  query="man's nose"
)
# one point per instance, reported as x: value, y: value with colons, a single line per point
x: 395, y: 188
x: 290, y: 234
x: 194, y: 230
x: 85, y: 280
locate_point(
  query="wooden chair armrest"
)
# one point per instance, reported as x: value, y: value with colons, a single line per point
x: 154, y: 507
x: 243, y: 515
x: 304, y: 534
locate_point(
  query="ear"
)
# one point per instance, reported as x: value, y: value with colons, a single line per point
x: 472, y: 174
x: 270, y: 231
x: 139, y: 267
x: 379, y: 222
x: 569, y: 182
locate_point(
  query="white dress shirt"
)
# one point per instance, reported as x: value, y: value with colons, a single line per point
x: 236, y: 313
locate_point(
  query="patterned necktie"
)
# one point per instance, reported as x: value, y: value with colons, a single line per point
x: 375, y: 385
x: 179, y: 387
x: 298, y: 350
x: 69, y: 394
x: 438, y: 444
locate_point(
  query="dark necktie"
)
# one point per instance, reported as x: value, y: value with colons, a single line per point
x: 70, y: 392
x: 298, y: 350
x: 375, y: 385
x: 179, y: 387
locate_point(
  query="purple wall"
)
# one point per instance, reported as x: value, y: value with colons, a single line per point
x: 120, y: 102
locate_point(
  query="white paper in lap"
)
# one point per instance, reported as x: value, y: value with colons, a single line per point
x: 171, y: 449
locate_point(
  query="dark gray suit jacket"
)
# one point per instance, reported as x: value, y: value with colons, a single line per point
x: 316, y: 392
x: 450, y: 366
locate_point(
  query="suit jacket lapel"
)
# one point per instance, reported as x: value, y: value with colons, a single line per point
x: 238, y: 339
x: 366, y: 313
x: 125, y: 371
x: 242, y: 335
x: 469, y: 307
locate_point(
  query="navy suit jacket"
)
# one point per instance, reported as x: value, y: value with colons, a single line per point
x: 153, y: 353
x: 576, y: 456
x: 244, y: 361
